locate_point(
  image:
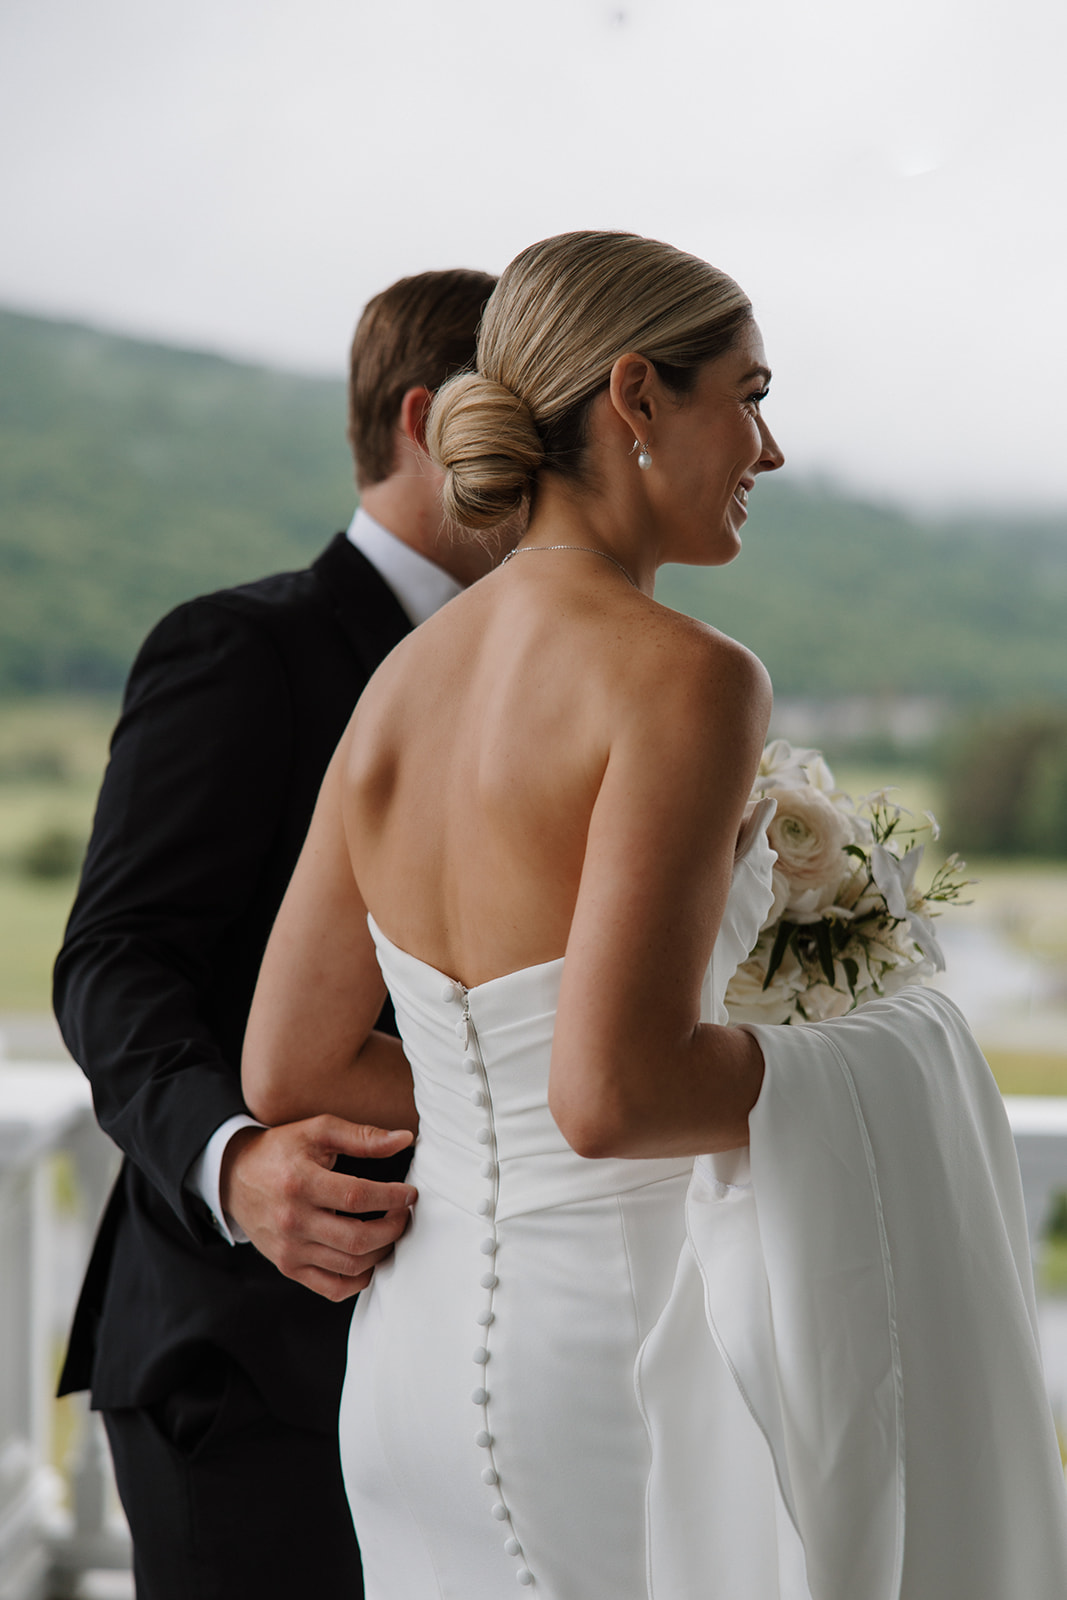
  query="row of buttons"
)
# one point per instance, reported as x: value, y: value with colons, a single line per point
x: 480, y: 1098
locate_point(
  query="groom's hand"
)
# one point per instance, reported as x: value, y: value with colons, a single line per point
x: 279, y: 1185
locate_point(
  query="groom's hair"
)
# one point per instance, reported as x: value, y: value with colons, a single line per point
x: 415, y: 334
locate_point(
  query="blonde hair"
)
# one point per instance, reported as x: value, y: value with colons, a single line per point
x: 560, y: 317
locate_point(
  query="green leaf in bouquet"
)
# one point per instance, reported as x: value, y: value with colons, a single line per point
x: 852, y: 974
x: 786, y: 930
x: 825, y: 950
x: 856, y: 850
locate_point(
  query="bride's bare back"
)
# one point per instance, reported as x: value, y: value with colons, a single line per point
x: 477, y: 754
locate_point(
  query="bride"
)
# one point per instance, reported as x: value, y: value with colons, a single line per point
x: 570, y: 1376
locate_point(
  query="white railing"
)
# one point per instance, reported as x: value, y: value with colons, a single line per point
x: 45, y: 1545
x: 45, y: 1113
x: 1039, y: 1123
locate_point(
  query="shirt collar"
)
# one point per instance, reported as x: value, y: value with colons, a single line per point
x: 421, y: 586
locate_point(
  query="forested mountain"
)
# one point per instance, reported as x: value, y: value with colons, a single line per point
x: 134, y: 475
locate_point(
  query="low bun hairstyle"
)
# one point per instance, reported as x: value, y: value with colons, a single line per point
x: 484, y: 437
x: 560, y: 317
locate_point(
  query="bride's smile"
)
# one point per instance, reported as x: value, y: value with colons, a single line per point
x: 708, y: 452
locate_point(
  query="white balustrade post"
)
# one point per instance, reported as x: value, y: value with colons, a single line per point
x: 1039, y: 1127
x: 97, y: 1538
x: 45, y: 1109
x: 36, y: 1109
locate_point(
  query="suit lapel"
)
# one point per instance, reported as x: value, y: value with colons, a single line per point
x: 368, y: 612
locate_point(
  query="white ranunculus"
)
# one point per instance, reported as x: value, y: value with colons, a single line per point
x: 809, y: 834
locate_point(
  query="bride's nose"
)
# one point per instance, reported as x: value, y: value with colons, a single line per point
x: 771, y: 458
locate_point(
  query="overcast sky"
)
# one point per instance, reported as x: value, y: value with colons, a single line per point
x: 886, y: 181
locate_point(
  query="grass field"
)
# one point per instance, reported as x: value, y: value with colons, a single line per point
x: 1028, y: 1071
x: 32, y: 918
x: 60, y: 740
x: 52, y: 754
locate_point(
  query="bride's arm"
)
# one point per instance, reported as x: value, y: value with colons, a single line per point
x: 634, y: 1071
x: 310, y: 1044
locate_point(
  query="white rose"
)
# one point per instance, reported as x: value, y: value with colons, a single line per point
x: 810, y: 833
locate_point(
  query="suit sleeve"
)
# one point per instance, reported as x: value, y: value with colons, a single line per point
x: 188, y: 810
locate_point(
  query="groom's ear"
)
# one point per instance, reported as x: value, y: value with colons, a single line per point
x: 414, y: 410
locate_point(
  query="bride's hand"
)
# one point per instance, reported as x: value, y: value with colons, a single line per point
x: 278, y: 1184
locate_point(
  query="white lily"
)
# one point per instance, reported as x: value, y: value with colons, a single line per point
x: 895, y: 876
x: 923, y: 933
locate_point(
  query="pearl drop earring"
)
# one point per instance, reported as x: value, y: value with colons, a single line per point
x: 644, y: 460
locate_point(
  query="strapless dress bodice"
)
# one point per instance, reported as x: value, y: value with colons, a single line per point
x: 487, y: 1139
x: 479, y: 1058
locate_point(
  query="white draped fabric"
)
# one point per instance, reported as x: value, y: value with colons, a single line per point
x: 865, y: 1279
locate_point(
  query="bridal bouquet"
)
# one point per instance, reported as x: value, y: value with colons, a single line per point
x: 849, y: 921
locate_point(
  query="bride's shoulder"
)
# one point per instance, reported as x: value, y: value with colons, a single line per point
x: 693, y: 664
x: 687, y: 706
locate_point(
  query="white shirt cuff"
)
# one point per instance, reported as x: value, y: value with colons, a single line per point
x: 205, y: 1174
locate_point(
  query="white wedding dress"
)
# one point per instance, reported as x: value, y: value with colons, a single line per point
x: 571, y: 1376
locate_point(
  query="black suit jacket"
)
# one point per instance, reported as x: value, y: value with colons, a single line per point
x: 232, y: 711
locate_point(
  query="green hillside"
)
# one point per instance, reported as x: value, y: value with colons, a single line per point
x: 134, y: 475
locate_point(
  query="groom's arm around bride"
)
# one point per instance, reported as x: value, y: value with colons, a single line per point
x: 218, y: 1376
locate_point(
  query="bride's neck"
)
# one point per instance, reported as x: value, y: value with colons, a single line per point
x: 595, y: 515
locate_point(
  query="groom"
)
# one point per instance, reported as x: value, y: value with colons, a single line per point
x: 218, y: 1377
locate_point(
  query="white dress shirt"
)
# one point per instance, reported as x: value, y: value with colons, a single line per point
x: 422, y: 587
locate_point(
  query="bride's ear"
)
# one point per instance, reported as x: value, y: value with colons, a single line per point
x: 634, y: 390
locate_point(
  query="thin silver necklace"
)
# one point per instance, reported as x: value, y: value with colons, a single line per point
x: 586, y: 549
